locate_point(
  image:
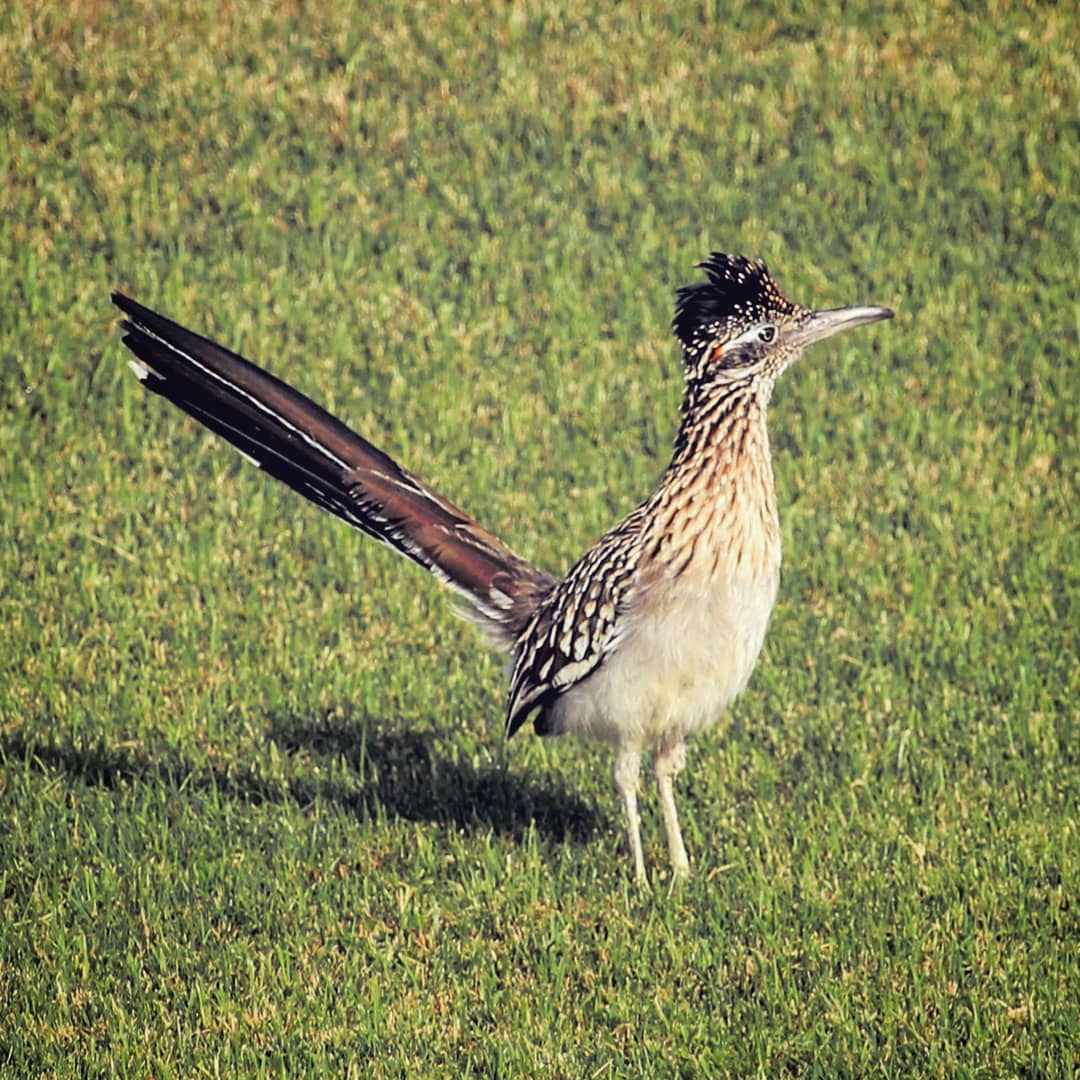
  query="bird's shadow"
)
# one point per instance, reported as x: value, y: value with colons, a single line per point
x: 406, y: 774
x: 367, y: 770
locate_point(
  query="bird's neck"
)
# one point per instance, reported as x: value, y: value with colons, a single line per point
x: 718, y: 491
x: 723, y: 432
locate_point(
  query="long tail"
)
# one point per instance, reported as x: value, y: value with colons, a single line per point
x: 300, y: 443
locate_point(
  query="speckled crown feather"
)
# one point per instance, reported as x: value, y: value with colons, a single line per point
x: 738, y: 294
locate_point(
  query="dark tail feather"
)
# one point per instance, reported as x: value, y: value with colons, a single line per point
x: 289, y: 436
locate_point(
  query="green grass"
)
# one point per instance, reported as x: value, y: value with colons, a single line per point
x: 256, y: 814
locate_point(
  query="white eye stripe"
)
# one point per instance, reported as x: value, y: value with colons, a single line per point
x: 760, y: 332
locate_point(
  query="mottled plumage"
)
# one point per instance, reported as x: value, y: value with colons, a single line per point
x: 655, y: 630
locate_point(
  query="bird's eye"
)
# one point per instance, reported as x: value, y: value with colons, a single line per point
x: 767, y: 333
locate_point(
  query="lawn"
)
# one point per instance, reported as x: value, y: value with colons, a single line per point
x: 257, y: 816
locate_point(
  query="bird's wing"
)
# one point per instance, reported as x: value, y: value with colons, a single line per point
x: 576, y: 626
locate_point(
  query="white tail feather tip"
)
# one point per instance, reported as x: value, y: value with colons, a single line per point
x: 248, y: 458
x: 142, y: 372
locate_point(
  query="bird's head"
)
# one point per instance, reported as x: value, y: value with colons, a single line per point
x: 738, y: 327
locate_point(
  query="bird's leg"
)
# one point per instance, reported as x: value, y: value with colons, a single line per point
x: 627, y: 768
x: 668, y: 763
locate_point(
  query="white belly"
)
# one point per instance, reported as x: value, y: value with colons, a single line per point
x: 675, y: 670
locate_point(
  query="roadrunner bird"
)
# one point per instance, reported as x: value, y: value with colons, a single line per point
x: 655, y: 630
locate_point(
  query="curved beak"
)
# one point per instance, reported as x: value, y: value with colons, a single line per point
x: 824, y: 324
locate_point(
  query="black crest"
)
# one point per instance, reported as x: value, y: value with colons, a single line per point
x: 738, y: 294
